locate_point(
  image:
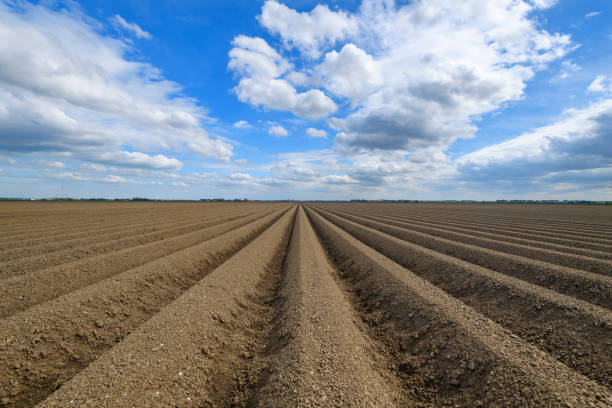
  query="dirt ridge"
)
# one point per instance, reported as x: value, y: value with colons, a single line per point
x: 439, y: 332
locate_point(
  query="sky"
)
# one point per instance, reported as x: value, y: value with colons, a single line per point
x: 300, y: 99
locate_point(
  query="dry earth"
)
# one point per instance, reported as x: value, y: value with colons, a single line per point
x: 305, y: 305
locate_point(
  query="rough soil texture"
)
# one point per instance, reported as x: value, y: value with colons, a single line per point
x: 592, y: 287
x: 323, y: 304
x: 23, y: 291
x: 318, y: 353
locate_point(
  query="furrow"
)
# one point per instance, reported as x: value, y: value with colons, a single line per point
x: 587, y: 263
x: 572, y: 246
x: 88, y: 217
x: 121, y: 241
x: 125, y: 220
x: 450, y: 354
x: 23, y: 291
x: 47, y: 345
x: 575, y: 332
x: 593, y: 288
x: 318, y: 356
x: 485, y: 213
x: 497, y: 221
x: 191, y: 353
x: 124, y: 232
x: 55, y: 235
x: 515, y: 226
x: 95, y: 222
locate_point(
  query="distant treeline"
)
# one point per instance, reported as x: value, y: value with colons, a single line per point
x: 589, y: 202
x: 126, y: 199
x: 485, y: 201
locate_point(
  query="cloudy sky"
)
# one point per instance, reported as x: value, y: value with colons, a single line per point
x: 422, y: 99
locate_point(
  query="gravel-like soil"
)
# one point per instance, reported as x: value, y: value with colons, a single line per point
x: 307, y: 305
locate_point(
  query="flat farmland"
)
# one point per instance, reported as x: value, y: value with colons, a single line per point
x: 282, y: 304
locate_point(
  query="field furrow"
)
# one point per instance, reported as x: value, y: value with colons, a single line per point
x: 123, y: 231
x: 587, y: 263
x: 566, y: 245
x: 81, y: 250
x: 575, y: 332
x: 93, y: 223
x: 20, y: 292
x: 320, y: 304
x: 54, y: 235
x: 317, y: 351
x: 583, y: 285
x: 450, y: 353
x: 48, y: 344
x: 497, y: 214
x: 119, y: 222
x: 516, y: 227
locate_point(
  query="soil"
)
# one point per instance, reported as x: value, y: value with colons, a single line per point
x: 307, y: 305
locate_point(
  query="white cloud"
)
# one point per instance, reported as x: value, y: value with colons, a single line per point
x: 316, y: 133
x: 339, y: 179
x: 133, y: 28
x: 93, y: 167
x: 593, y: 14
x: 137, y: 159
x: 242, y: 162
x: 351, y: 73
x: 579, y: 141
x: 206, y: 147
x: 568, y: 67
x: 242, y: 124
x: 56, y: 164
x: 544, y: 3
x: 601, y: 83
x: 307, y: 31
x: 336, y: 123
x: 73, y: 91
x: 179, y: 184
x: 416, y: 75
x: 114, y: 179
x: 261, y: 85
x: 278, y: 131
x: 253, y: 57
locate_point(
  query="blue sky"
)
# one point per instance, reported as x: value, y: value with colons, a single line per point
x: 306, y: 99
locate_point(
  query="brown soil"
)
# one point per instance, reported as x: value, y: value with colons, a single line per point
x: 328, y: 305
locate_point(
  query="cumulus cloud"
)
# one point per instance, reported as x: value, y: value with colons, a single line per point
x: 278, y: 131
x: 316, y: 133
x: 261, y: 68
x: 579, y: 142
x: 416, y: 75
x: 350, y: 73
x: 206, y: 147
x: 133, y: 28
x: 137, y: 159
x: 179, y: 184
x: 307, y: 31
x: 74, y: 91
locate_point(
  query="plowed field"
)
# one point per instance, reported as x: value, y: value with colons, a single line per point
x: 301, y: 305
